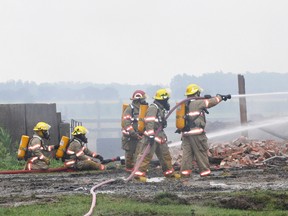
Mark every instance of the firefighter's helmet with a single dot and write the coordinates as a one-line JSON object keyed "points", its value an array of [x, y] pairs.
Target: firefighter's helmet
{"points": [[192, 89], [162, 94], [41, 126], [78, 130], [138, 94]]}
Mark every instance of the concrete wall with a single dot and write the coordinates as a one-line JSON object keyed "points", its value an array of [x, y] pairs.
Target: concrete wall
{"points": [[12, 118], [19, 119]]}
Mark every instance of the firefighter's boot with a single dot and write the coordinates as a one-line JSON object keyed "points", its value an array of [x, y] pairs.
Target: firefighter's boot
{"points": [[140, 178], [174, 175]]}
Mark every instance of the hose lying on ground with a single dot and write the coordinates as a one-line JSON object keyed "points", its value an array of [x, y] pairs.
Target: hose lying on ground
{"points": [[60, 169]]}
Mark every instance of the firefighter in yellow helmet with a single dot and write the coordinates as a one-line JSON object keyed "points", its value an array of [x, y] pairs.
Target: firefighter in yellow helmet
{"points": [[35, 156], [194, 139], [155, 121], [78, 156], [130, 134]]}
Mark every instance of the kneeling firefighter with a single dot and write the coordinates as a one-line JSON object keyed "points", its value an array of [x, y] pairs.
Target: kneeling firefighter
{"points": [[155, 121], [78, 156], [36, 158]]}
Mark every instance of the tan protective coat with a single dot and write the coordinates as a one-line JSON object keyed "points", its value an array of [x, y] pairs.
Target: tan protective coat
{"points": [[124, 106]]}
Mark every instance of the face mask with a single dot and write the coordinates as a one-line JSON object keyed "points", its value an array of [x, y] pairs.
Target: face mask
{"points": [[143, 102], [46, 135], [83, 138], [166, 106]]}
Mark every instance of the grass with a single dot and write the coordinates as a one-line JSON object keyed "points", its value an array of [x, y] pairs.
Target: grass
{"points": [[11, 163], [167, 204]]}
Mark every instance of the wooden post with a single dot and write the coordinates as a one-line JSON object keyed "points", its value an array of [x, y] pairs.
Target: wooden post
{"points": [[242, 103]]}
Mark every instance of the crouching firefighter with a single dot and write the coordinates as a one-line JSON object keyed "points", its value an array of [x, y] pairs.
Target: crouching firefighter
{"points": [[36, 159], [78, 156], [155, 121]]}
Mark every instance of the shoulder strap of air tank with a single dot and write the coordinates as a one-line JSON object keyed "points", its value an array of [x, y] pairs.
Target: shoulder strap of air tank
{"points": [[132, 110]]}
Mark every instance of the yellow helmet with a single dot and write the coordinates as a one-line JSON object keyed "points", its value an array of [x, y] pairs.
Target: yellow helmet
{"points": [[78, 130], [162, 94], [41, 126], [192, 89]]}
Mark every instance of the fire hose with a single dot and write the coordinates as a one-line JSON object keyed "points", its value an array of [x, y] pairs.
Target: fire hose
{"points": [[139, 161], [60, 169]]}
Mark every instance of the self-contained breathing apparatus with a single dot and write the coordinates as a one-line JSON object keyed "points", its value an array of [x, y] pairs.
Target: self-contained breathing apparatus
{"points": [[183, 123], [22, 153], [63, 145], [140, 121]]}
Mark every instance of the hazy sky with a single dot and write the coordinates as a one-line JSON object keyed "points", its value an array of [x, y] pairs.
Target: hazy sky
{"points": [[138, 42]]}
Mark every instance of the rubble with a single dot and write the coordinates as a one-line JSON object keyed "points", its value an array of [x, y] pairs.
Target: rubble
{"points": [[242, 152]]}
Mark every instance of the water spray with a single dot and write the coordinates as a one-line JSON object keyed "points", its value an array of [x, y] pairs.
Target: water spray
{"points": [[251, 126], [259, 94]]}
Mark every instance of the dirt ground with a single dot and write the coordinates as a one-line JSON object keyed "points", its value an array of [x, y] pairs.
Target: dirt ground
{"points": [[29, 188]]}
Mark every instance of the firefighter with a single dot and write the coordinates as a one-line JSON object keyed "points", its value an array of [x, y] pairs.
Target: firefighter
{"points": [[78, 156], [130, 134], [194, 140], [36, 159], [155, 122]]}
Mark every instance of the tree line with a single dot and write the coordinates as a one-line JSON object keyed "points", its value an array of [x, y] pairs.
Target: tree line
{"points": [[213, 83]]}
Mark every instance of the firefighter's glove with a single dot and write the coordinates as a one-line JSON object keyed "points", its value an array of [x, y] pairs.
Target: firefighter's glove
{"points": [[207, 96], [56, 146], [151, 140], [178, 131], [46, 160], [99, 157], [225, 97]]}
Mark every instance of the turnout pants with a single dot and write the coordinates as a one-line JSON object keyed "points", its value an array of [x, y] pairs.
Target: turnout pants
{"points": [[195, 147], [131, 147], [163, 154], [89, 165]]}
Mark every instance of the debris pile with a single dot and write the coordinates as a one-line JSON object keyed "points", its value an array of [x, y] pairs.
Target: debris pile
{"points": [[242, 152]]}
